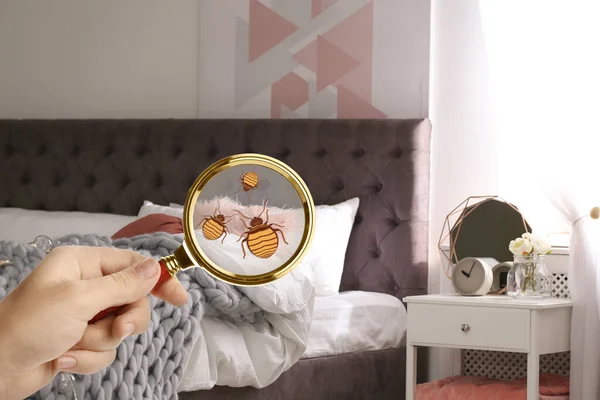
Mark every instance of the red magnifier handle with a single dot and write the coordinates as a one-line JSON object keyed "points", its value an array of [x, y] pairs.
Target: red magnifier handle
{"points": [[164, 276]]}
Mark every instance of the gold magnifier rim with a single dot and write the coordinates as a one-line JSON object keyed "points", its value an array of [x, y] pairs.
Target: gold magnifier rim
{"points": [[192, 246]]}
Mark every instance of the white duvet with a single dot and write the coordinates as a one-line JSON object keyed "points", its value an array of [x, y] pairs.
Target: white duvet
{"points": [[252, 354]]}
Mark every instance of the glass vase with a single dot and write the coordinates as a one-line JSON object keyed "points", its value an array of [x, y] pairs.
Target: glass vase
{"points": [[529, 277]]}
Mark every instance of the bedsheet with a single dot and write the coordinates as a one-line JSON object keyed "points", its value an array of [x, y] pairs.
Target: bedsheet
{"points": [[235, 355]]}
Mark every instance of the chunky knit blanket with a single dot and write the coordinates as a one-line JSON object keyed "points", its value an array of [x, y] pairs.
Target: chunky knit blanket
{"points": [[150, 365]]}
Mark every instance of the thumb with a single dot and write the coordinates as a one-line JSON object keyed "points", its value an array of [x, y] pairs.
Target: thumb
{"points": [[123, 287]]}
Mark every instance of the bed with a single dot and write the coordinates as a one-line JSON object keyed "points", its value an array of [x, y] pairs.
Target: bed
{"points": [[354, 351]]}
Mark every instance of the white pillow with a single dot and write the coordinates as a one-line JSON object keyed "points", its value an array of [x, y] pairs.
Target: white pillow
{"points": [[150, 208], [24, 225], [327, 252]]}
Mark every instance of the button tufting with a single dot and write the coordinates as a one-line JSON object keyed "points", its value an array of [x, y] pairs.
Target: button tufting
{"points": [[321, 153], [125, 182], [142, 151], [358, 153], [109, 151], [357, 220], [107, 208], [376, 253], [396, 288], [58, 180], [75, 151], [397, 152], [41, 150], [394, 222], [212, 151], [378, 187], [9, 150], [285, 153], [25, 179], [339, 186], [158, 180], [177, 151], [91, 181]]}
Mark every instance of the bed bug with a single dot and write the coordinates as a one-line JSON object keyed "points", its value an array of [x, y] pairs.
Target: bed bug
{"points": [[249, 181], [261, 238], [215, 225]]}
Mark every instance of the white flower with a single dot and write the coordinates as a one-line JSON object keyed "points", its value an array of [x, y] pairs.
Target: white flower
{"points": [[540, 245], [520, 247]]}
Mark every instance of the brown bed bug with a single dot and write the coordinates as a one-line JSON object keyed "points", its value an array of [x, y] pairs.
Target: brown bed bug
{"points": [[215, 225], [261, 237], [249, 181]]}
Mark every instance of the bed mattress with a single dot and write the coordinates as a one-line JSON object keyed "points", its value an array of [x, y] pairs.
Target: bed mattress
{"points": [[355, 321]]}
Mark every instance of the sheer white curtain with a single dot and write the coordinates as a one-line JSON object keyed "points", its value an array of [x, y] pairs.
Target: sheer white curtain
{"points": [[545, 68]]}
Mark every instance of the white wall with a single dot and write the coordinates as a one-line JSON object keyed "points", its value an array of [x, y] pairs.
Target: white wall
{"points": [[473, 146], [463, 146], [98, 59], [142, 59]]}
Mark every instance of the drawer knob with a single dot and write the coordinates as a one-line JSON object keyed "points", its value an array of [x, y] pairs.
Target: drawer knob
{"points": [[465, 328]]}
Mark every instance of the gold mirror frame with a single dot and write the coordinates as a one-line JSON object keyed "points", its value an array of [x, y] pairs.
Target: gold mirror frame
{"points": [[192, 247], [470, 204]]}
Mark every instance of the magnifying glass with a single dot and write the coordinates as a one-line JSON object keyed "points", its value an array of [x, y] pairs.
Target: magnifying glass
{"points": [[248, 220]]}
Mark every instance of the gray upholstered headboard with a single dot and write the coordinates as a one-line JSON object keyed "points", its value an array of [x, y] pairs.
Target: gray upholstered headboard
{"points": [[114, 165]]}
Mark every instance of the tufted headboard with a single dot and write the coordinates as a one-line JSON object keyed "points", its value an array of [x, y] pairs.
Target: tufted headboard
{"points": [[114, 165]]}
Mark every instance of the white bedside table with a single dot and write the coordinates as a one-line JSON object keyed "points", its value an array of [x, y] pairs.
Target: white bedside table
{"points": [[496, 323]]}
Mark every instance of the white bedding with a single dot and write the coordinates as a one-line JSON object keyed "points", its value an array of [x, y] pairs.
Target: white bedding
{"points": [[24, 225], [342, 323], [355, 322], [253, 355]]}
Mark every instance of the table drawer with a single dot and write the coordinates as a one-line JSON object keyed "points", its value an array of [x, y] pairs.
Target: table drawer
{"points": [[485, 327]]}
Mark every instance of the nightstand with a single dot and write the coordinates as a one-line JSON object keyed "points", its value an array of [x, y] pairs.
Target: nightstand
{"points": [[496, 323]]}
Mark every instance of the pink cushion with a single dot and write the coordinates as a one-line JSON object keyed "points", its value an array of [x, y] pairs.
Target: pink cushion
{"points": [[552, 387], [150, 224]]}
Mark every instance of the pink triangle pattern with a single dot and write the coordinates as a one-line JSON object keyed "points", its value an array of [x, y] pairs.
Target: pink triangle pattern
{"points": [[318, 6], [267, 29], [349, 105], [308, 56], [290, 91], [327, 61], [354, 35], [332, 63]]}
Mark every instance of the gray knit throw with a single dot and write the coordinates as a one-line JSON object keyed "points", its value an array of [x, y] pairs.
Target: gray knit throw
{"points": [[150, 365]]}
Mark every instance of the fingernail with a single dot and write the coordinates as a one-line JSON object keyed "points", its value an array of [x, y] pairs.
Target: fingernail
{"points": [[147, 268], [129, 328], [66, 362]]}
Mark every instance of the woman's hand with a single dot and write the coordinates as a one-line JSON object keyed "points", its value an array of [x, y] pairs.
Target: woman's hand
{"points": [[44, 322]]}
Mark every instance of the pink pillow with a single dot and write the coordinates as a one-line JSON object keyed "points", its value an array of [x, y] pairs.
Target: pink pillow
{"points": [[151, 223]]}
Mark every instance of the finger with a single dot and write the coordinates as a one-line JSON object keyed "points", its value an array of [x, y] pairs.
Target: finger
{"points": [[133, 319], [171, 291], [99, 336], [123, 287], [84, 361], [92, 262], [108, 260]]}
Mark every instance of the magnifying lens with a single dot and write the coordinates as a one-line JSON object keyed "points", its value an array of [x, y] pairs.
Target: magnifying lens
{"points": [[248, 220]]}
